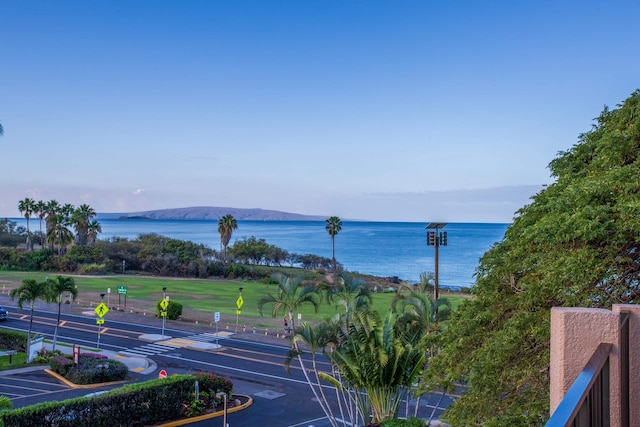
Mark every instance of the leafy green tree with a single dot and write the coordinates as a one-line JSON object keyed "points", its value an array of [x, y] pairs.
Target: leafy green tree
{"points": [[576, 244], [55, 290], [27, 207], [291, 295], [351, 292], [333, 226], [29, 291], [226, 225]]}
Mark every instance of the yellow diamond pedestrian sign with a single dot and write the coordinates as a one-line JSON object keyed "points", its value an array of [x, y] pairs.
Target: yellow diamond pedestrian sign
{"points": [[164, 304], [101, 310], [100, 321], [239, 302]]}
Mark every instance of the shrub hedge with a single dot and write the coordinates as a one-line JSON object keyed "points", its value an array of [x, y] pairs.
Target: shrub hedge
{"points": [[134, 405], [92, 368]]}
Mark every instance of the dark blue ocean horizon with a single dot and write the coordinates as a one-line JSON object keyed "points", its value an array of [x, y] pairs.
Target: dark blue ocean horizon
{"points": [[383, 249]]}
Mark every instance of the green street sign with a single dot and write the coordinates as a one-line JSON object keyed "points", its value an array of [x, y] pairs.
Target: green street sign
{"points": [[122, 290]]}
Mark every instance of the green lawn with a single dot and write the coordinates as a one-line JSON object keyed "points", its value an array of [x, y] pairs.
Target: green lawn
{"points": [[202, 295]]}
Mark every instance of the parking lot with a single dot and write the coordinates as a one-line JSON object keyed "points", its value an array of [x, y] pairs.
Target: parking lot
{"points": [[29, 386]]}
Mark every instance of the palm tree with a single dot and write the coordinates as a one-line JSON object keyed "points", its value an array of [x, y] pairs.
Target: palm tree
{"points": [[92, 232], [291, 295], [351, 292], [60, 232], [55, 290], [27, 207], [226, 225], [41, 211], [333, 226], [29, 291], [310, 341], [1, 130], [81, 218], [52, 209], [378, 362]]}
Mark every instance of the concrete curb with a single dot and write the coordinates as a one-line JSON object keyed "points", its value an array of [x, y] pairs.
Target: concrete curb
{"points": [[209, 416]]}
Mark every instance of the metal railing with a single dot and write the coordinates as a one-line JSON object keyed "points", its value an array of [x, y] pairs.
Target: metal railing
{"points": [[587, 403]]}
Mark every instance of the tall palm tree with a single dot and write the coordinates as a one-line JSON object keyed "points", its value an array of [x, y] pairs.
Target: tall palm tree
{"points": [[55, 290], [29, 292], [81, 218], [41, 211], [92, 232], [333, 226], [351, 292], [52, 210], [291, 295], [226, 225], [27, 207], [60, 232]]}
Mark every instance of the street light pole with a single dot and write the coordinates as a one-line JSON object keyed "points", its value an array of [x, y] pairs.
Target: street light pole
{"points": [[436, 239]]}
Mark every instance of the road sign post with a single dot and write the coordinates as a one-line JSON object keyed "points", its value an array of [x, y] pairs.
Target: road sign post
{"points": [[239, 303], [122, 290], [216, 318], [101, 310], [164, 303]]}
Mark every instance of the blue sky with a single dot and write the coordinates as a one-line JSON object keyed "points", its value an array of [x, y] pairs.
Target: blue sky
{"points": [[379, 110]]}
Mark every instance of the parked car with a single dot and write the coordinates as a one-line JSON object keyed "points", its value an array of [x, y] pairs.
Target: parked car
{"points": [[3, 313]]}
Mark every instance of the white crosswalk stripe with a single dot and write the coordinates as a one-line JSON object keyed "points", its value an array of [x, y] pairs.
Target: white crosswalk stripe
{"points": [[206, 337], [149, 349]]}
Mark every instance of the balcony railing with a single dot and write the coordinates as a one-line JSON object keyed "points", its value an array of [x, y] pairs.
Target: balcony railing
{"points": [[587, 403]]}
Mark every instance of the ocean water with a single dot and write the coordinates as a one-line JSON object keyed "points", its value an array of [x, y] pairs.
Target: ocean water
{"points": [[377, 248]]}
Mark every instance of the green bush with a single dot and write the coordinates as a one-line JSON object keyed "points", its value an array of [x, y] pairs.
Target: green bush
{"points": [[45, 356], [234, 271], [91, 369], [148, 403], [174, 310], [410, 422], [93, 269], [13, 340]]}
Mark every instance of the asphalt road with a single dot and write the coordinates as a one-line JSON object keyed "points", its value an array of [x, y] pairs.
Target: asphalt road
{"points": [[252, 362]]}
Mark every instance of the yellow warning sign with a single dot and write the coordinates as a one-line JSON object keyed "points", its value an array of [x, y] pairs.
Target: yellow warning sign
{"points": [[239, 302], [101, 310]]}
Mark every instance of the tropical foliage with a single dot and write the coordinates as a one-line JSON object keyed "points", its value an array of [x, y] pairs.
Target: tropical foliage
{"points": [[291, 294], [29, 292], [56, 289], [350, 292], [333, 226], [373, 365], [576, 244], [226, 225]]}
